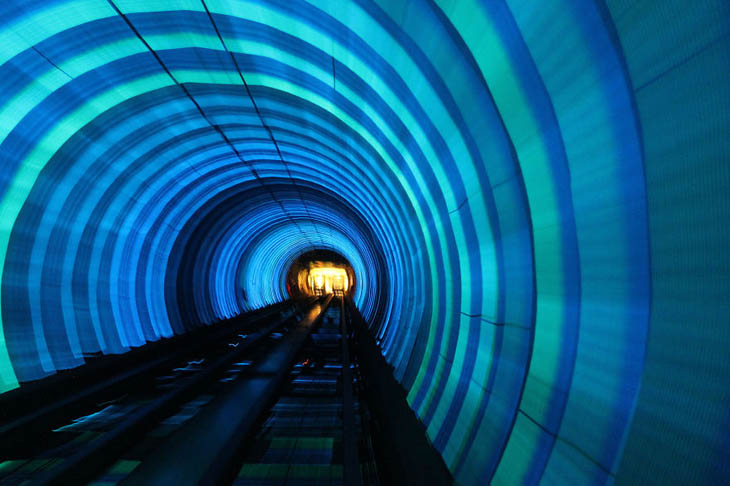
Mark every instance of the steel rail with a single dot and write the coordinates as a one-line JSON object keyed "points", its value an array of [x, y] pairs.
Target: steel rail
{"points": [[89, 460], [202, 450]]}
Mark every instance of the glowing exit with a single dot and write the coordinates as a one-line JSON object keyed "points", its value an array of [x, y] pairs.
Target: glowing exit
{"points": [[327, 280]]}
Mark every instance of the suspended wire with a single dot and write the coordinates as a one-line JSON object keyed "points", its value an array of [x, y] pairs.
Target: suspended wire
{"points": [[263, 123], [215, 127]]}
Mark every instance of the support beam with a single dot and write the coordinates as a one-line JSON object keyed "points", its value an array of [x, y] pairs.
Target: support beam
{"points": [[404, 453], [350, 436]]}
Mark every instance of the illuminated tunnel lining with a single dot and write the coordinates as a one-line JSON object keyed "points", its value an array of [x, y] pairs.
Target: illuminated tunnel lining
{"points": [[506, 179]]}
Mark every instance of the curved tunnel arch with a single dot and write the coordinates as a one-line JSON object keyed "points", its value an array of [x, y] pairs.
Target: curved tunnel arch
{"points": [[263, 244], [506, 178]]}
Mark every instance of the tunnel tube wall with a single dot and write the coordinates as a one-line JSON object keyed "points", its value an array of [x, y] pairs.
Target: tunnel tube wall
{"points": [[235, 252], [533, 195]]}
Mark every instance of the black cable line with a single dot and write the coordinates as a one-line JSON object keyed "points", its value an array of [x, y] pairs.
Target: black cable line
{"points": [[263, 122], [216, 127]]}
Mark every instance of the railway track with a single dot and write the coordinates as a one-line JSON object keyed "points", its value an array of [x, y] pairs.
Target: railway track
{"points": [[274, 400]]}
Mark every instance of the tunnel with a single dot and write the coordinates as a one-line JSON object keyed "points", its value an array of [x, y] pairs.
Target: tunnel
{"points": [[531, 198], [320, 272]]}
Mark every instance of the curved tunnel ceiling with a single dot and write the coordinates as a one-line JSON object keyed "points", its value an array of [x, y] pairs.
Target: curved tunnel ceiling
{"points": [[528, 191]]}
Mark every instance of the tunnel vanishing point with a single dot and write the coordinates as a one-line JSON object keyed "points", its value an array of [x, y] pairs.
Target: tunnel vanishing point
{"points": [[527, 203]]}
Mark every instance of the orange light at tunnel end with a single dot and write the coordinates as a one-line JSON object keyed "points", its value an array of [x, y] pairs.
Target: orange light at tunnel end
{"points": [[324, 278]]}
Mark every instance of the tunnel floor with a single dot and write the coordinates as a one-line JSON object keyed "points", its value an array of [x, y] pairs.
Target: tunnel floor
{"points": [[275, 397]]}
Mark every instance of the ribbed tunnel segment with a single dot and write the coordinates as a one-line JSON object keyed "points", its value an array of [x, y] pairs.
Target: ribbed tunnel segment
{"points": [[532, 197]]}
